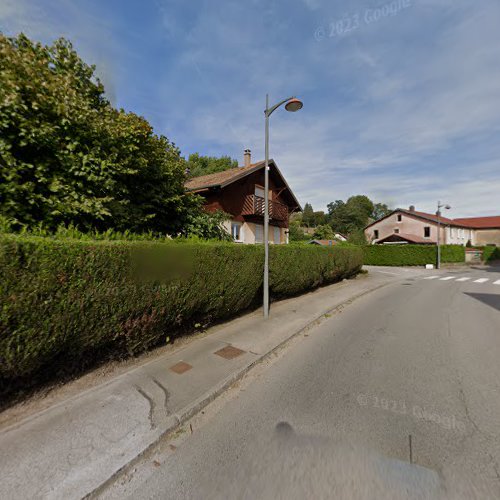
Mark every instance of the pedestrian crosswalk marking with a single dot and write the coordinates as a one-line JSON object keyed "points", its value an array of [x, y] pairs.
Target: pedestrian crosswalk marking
{"points": [[463, 279]]}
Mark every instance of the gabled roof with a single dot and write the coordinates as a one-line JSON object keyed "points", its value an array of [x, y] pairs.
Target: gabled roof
{"points": [[492, 222], [419, 215], [324, 243], [223, 179], [410, 238], [424, 215]]}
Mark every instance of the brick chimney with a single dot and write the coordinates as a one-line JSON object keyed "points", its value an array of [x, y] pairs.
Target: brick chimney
{"points": [[412, 208], [247, 158]]}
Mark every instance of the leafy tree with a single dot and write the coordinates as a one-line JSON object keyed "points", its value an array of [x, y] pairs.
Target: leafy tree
{"points": [[310, 218], [68, 157], [357, 237], [360, 208], [319, 218], [203, 165], [352, 215], [296, 233], [334, 206], [308, 215], [296, 217], [208, 226], [339, 216], [380, 210], [324, 232]]}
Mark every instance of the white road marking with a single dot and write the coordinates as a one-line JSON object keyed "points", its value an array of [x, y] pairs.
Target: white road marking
{"points": [[461, 280]]}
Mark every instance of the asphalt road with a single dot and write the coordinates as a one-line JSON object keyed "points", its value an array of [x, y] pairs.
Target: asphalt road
{"points": [[417, 360]]}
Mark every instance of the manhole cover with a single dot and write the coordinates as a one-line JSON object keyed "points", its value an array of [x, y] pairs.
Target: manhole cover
{"points": [[229, 352], [181, 367]]}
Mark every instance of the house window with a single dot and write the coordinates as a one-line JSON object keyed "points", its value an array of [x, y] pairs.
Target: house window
{"points": [[427, 232], [375, 234], [236, 231], [259, 233], [259, 191], [396, 230], [277, 235], [400, 217]]}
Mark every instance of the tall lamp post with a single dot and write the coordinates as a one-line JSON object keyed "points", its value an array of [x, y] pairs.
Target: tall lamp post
{"points": [[438, 214], [292, 104]]}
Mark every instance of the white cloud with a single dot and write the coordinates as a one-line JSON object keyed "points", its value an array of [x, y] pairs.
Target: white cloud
{"points": [[90, 32]]}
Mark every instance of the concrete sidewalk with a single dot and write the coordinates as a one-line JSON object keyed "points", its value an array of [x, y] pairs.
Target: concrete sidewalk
{"points": [[74, 447]]}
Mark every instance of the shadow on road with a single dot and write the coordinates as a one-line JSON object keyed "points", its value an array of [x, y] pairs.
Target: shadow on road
{"points": [[491, 267], [490, 299]]}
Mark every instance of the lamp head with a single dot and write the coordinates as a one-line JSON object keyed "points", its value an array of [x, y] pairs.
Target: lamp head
{"points": [[293, 105]]}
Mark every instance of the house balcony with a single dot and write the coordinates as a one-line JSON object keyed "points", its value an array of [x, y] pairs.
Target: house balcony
{"points": [[254, 205]]}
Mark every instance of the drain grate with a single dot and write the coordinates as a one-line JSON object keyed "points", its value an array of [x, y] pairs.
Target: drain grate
{"points": [[229, 352], [181, 367]]}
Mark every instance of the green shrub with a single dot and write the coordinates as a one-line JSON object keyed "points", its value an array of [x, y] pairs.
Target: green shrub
{"points": [[411, 255], [490, 253], [67, 300]]}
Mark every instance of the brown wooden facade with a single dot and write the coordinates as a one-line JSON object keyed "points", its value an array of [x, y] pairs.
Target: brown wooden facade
{"points": [[239, 198]]}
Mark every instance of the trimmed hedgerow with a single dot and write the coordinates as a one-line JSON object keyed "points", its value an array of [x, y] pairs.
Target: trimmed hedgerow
{"points": [[490, 253], [297, 268], [411, 255], [66, 300]]}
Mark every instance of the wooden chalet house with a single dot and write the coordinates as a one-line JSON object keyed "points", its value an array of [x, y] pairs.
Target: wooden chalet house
{"points": [[240, 193]]}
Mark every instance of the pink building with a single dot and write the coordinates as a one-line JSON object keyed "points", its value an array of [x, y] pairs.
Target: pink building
{"points": [[411, 226]]}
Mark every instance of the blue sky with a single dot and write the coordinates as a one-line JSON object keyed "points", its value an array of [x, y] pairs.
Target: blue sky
{"points": [[405, 107]]}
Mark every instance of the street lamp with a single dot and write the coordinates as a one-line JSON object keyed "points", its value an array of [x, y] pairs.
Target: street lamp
{"points": [[292, 104], [438, 213]]}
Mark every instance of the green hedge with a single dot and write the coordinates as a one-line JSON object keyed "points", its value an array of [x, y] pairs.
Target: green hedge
{"points": [[66, 300], [411, 255], [490, 253], [294, 269]]}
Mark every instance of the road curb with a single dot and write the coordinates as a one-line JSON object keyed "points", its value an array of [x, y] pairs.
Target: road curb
{"points": [[180, 418]]}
